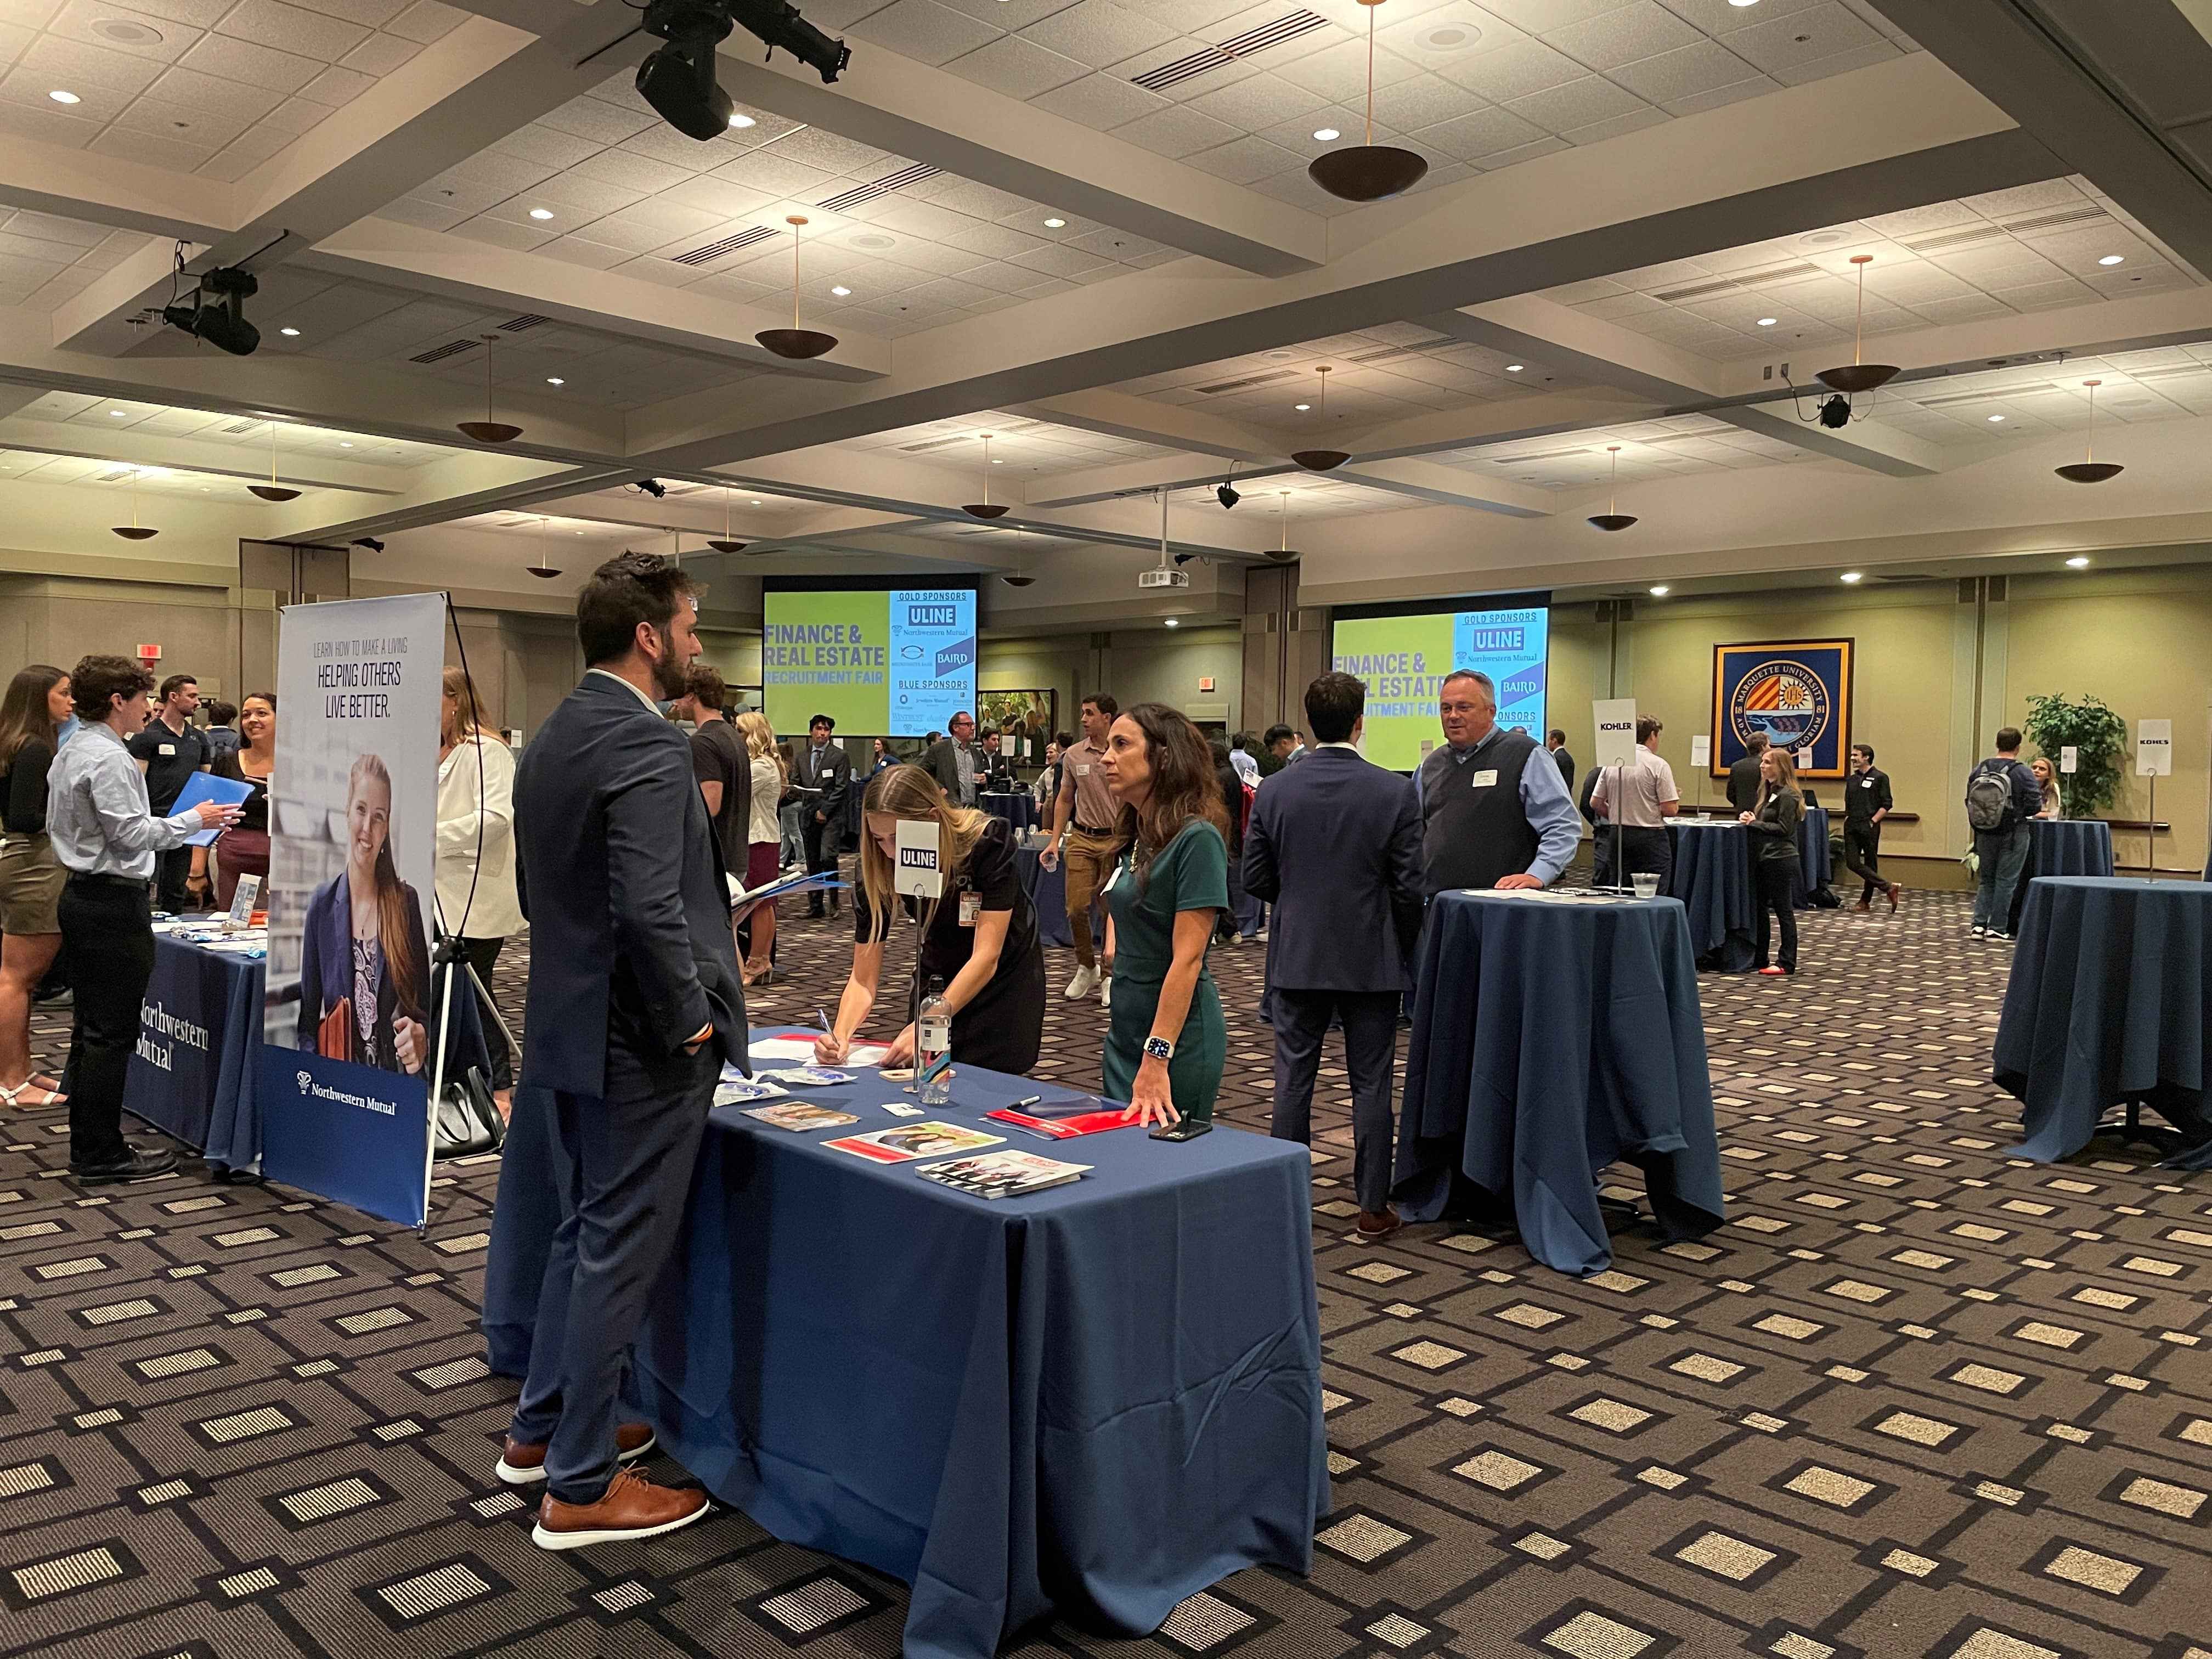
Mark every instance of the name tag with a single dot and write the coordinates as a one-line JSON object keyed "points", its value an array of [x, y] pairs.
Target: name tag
{"points": [[166, 748], [1485, 779], [1111, 879], [1866, 783], [971, 906], [1082, 771]]}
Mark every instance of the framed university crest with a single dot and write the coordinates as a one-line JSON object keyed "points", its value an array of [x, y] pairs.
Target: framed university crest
{"points": [[1797, 694]]}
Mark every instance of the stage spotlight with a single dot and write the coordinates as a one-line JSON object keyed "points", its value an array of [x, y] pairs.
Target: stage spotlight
{"points": [[652, 487], [216, 312], [370, 543], [1227, 493], [679, 79], [1836, 412]]}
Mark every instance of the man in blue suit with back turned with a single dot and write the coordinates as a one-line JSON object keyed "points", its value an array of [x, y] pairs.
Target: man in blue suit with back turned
{"points": [[1335, 845], [634, 1002]]}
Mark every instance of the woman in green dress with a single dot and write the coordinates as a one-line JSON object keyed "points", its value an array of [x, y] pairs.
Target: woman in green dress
{"points": [[1166, 1044]]}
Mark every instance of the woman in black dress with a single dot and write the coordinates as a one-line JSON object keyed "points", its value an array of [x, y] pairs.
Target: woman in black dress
{"points": [[979, 937]]}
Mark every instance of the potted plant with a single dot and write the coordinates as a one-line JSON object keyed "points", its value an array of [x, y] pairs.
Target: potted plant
{"points": [[2098, 737]]}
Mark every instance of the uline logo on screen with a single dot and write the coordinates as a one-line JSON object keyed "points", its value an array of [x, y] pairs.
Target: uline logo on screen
{"points": [[956, 657], [1497, 638], [932, 615]]}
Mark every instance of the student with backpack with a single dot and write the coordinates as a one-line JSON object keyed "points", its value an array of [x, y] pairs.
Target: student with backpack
{"points": [[2002, 796]]}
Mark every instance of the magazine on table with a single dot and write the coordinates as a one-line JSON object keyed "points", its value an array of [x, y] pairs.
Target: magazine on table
{"points": [[1079, 1118], [1009, 1174], [912, 1140], [809, 1077], [798, 1115], [736, 1088], [800, 1046]]}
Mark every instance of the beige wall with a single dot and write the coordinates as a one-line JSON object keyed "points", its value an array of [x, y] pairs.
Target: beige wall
{"points": [[58, 619]]}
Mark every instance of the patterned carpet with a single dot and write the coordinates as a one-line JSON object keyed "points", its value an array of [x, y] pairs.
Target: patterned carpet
{"points": [[1915, 1399]]}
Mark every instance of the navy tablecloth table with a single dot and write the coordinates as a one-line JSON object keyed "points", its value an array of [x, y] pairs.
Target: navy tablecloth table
{"points": [[1094, 1401], [2109, 1002], [191, 1076], [1047, 892], [2063, 846], [1549, 1039], [1815, 863], [1017, 806], [1713, 879]]}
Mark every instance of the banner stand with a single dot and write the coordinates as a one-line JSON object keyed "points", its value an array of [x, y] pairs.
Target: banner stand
{"points": [[444, 955]]}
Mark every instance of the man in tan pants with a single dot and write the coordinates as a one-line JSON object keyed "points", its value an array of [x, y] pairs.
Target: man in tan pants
{"points": [[1084, 815]]}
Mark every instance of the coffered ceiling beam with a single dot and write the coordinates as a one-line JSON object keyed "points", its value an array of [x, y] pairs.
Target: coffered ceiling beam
{"points": [[1789, 161], [249, 462], [932, 115]]}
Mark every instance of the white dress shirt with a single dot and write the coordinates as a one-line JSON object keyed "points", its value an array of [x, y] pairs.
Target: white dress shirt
{"points": [[467, 807]]}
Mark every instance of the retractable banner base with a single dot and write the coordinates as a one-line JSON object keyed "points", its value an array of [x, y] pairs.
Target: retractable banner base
{"points": [[343, 1130]]}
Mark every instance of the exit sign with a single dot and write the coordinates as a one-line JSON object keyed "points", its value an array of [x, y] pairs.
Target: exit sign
{"points": [[1206, 683], [149, 653]]}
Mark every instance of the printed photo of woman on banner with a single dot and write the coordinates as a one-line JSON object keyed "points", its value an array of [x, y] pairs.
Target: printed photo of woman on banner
{"points": [[350, 1025]]}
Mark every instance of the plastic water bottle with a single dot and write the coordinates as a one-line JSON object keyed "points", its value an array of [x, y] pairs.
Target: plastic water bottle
{"points": [[933, 1047]]}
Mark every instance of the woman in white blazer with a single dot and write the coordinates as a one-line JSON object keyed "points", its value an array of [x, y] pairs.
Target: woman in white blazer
{"points": [[477, 895]]}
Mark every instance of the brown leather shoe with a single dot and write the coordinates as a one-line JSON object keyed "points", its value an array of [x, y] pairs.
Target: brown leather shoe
{"points": [[1862, 906], [1379, 1224], [521, 1465], [1894, 890], [632, 1507]]}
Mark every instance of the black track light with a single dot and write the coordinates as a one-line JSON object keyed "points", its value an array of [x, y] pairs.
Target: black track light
{"points": [[652, 487], [1227, 493], [370, 543], [216, 312], [679, 79]]}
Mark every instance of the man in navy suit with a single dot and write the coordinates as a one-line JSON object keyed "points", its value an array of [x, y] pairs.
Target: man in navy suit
{"points": [[634, 1002], [1335, 844]]}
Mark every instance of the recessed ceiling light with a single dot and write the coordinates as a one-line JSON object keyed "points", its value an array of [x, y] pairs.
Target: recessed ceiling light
{"points": [[118, 413], [1852, 576], [1767, 322], [840, 292], [1740, 4], [1660, 591], [289, 333], [1172, 623], [752, 503], [1054, 224], [1329, 135], [736, 121], [555, 380], [541, 213], [1513, 368], [2113, 259], [2079, 562], [61, 97], [1301, 408]]}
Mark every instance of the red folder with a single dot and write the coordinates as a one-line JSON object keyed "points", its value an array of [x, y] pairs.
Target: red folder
{"points": [[1065, 1128]]}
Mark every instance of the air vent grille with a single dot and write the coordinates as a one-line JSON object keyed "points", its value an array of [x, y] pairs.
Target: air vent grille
{"points": [[1384, 354], [439, 354], [882, 187], [1268, 379], [1288, 27], [2177, 372], [1731, 284], [1972, 235], [115, 476], [1547, 455], [932, 443], [2001, 394], [714, 251], [529, 319], [241, 426]]}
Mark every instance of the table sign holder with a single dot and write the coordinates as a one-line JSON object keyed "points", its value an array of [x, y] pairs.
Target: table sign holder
{"points": [[2154, 761], [1615, 718], [241, 904], [1701, 763], [919, 874]]}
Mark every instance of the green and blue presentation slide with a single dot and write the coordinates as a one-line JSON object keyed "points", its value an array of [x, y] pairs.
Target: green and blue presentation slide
{"points": [[1404, 659], [890, 663]]}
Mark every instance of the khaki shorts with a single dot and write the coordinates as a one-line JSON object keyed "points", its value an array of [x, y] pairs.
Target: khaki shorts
{"points": [[31, 879]]}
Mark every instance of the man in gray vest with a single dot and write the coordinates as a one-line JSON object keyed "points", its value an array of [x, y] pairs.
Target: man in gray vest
{"points": [[1488, 817]]}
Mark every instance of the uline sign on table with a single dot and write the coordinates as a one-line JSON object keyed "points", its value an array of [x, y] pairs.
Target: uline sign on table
{"points": [[919, 871]]}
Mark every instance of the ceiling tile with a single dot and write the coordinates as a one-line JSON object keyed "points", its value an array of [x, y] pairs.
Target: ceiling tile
{"points": [[1643, 29], [80, 67], [593, 119], [1577, 104], [1177, 132], [1422, 101], [48, 124], [925, 31], [1255, 102], [182, 122], [1243, 160], [1098, 32], [1721, 97], [336, 87], [1484, 132], [1684, 72], [76, 19], [425, 20], [195, 90], [1017, 66], [1512, 71], [292, 29], [1102, 101], [1775, 43], [253, 64], [1618, 126], [1841, 63], [380, 54], [1538, 15]]}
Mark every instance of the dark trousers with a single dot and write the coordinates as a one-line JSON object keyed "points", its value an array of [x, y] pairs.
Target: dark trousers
{"points": [[1370, 1043], [1601, 855], [2003, 855], [482, 954], [1863, 857], [172, 870], [626, 1163], [1777, 880], [1647, 852], [821, 842], [108, 942]]}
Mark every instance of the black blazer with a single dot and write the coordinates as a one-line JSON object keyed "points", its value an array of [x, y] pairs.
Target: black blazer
{"points": [[627, 900], [1335, 844], [835, 779], [942, 762]]}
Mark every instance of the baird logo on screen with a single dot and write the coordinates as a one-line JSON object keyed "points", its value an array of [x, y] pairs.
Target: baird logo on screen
{"points": [[309, 1087], [932, 615], [958, 656]]}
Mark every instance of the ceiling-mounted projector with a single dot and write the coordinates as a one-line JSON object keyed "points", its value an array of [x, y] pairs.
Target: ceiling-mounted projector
{"points": [[1162, 578], [678, 80]]}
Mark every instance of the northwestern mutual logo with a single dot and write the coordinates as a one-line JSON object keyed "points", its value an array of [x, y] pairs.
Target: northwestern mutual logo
{"points": [[309, 1087]]}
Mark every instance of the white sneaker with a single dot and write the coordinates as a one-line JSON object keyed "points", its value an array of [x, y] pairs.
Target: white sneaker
{"points": [[1262, 936], [1086, 981], [1105, 990]]}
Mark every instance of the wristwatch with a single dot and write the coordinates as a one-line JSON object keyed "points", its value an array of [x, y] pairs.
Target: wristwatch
{"points": [[1160, 1048]]}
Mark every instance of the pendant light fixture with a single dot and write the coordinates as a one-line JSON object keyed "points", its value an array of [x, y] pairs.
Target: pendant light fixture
{"points": [[985, 508], [2091, 470], [1368, 172], [795, 343], [488, 431], [542, 570], [726, 543], [273, 491], [1020, 575], [1321, 460], [1858, 376], [1609, 519], [1283, 555], [135, 531]]}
